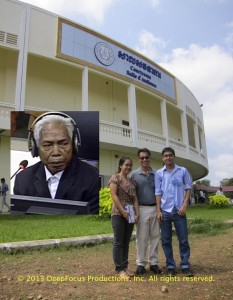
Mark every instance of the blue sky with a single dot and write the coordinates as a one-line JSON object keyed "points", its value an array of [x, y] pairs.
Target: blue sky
{"points": [[193, 39]]}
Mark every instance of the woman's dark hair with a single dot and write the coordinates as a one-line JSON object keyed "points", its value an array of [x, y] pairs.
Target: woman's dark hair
{"points": [[122, 161]]}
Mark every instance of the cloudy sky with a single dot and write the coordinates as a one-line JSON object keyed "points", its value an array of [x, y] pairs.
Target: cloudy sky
{"points": [[193, 39]]}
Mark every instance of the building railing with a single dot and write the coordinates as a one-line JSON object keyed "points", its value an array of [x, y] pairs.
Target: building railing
{"points": [[122, 135], [193, 150], [5, 114], [5, 109], [177, 145], [115, 133], [146, 137]]}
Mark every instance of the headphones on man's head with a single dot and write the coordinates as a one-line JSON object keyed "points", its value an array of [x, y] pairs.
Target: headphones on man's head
{"points": [[76, 139]]}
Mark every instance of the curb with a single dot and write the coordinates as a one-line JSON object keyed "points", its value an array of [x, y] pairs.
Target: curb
{"points": [[56, 243]]}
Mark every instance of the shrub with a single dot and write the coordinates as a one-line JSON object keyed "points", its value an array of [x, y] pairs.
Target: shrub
{"points": [[105, 203], [218, 201]]}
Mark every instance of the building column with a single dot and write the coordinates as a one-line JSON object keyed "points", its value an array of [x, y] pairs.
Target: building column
{"points": [[184, 127], [196, 137], [164, 120], [133, 113], [22, 60], [203, 143], [85, 89]]}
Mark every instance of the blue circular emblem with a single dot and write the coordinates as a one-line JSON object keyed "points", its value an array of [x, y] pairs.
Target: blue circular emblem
{"points": [[104, 54]]}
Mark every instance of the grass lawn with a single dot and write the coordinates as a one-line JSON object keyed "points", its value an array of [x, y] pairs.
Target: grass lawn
{"points": [[37, 227], [28, 228], [213, 214]]}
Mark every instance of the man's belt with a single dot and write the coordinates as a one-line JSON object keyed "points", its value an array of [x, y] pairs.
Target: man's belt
{"points": [[150, 204]]}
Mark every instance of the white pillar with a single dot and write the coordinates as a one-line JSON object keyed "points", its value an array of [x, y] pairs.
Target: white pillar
{"points": [[22, 60], [164, 120], [85, 89], [203, 143], [196, 137], [133, 113], [184, 126]]}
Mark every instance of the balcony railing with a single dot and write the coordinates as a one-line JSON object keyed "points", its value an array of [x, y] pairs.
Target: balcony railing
{"points": [[115, 133], [177, 145], [5, 114], [151, 140]]}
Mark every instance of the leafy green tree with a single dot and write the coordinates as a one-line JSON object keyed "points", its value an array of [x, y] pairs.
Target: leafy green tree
{"points": [[205, 182], [227, 182]]}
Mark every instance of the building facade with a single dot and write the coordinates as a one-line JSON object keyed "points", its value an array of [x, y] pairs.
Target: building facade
{"points": [[50, 63]]}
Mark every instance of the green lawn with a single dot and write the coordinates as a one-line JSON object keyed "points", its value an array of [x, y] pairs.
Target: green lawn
{"points": [[27, 228], [205, 212]]}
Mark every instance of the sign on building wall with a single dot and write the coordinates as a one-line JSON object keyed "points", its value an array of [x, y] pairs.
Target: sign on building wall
{"points": [[85, 46]]}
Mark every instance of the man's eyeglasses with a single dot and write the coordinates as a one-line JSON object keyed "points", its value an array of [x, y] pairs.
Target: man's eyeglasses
{"points": [[144, 157]]}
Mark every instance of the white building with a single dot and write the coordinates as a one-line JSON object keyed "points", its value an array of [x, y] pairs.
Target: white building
{"points": [[50, 63]]}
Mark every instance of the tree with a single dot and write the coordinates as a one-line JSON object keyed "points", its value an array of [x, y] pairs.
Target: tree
{"points": [[227, 182], [205, 182]]}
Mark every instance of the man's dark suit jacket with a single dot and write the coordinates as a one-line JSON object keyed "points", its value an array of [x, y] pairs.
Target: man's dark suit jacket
{"points": [[79, 182]]}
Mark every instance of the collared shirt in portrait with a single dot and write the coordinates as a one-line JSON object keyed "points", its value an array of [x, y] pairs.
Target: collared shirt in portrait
{"points": [[53, 181], [145, 186], [171, 186]]}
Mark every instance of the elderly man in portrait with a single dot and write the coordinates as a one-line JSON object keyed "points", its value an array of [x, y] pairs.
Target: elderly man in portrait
{"points": [[59, 174]]}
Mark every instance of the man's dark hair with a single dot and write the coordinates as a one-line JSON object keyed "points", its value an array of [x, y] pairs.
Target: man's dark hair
{"points": [[168, 149], [143, 150]]}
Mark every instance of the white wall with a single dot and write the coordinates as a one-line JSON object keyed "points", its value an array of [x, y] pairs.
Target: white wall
{"points": [[148, 112], [15, 10], [8, 66], [43, 38], [53, 86]]}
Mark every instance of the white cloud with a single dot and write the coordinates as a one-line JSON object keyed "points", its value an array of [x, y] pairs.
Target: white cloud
{"points": [[149, 45], [204, 70], [208, 73], [222, 168], [91, 9], [155, 3]]}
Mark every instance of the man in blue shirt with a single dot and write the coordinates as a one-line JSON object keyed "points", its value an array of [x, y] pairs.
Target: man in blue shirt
{"points": [[172, 190]]}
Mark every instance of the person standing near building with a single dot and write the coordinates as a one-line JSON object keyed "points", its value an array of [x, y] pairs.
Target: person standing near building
{"points": [[202, 197], [3, 190], [172, 190], [123, 192], [220, 191], [148, 228]]}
